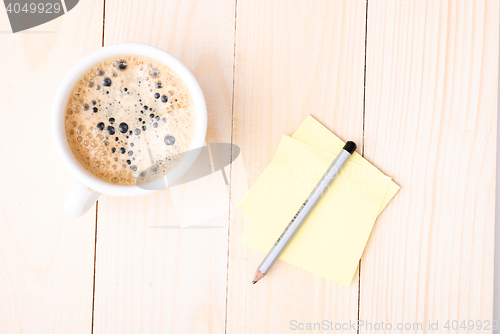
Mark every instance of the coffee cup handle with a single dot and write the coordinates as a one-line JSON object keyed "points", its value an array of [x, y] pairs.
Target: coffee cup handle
{"points": [[79, 199]]}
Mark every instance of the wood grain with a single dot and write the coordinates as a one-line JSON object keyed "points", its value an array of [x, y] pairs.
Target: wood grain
{"points": [[292, 59], [430, 122], [46, 258], [167, 280]]}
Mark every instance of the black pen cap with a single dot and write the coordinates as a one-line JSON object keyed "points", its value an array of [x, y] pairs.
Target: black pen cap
{"points": [[350, 147]]}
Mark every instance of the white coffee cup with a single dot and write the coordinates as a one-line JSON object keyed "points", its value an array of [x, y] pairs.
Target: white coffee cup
{"points": [[87, 189]]}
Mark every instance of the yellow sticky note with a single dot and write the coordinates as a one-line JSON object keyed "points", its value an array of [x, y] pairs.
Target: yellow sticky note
{"points": [[314, 133], [331, 240]]}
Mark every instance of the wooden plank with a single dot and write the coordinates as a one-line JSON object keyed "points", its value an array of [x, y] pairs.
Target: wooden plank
{"points": [[292, 59], [167, 280], [431, 95], [46, 257]]}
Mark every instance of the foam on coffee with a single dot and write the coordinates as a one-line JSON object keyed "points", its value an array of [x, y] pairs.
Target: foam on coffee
{"points": [[129, 118]]}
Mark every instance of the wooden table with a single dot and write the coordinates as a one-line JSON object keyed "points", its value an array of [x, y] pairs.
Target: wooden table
{"points": [[414, 83]]}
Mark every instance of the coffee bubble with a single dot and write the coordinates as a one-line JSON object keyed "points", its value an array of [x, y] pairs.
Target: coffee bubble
{"points": [[122, 64], [154, 72], [106, 82], [169, 140], [123, 127]]}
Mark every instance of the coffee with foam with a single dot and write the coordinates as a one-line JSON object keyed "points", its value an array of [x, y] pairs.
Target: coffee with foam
{"points": [[129, 120]]}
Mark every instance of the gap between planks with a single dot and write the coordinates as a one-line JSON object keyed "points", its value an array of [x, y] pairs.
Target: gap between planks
{"points": [[230, 165], [97, 202]]}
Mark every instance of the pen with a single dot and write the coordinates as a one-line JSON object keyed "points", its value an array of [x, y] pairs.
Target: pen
{"points": [[304, 210]]}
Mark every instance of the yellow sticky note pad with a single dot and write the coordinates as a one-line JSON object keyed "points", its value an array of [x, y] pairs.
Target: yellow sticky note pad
{"points": [[331, 240], [315, 134]]}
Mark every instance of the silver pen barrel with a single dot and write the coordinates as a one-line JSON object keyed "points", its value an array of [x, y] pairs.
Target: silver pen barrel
{"points": [[292, 228]]}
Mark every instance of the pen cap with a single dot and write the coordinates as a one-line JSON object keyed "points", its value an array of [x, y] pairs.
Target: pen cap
{"points": [[350, 147]]}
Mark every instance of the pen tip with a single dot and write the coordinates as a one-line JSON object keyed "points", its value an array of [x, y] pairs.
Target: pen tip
{"points": [[258, 276]]}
